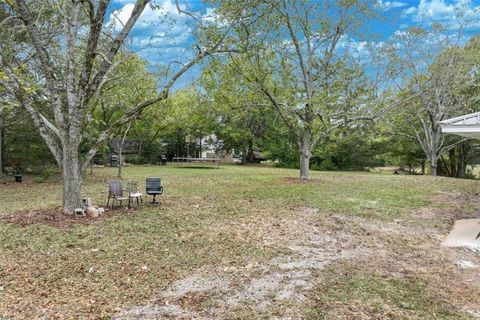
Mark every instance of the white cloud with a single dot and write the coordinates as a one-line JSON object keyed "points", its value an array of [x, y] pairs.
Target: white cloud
{"points": [[388, 5], [435, 10], [159, 24], [152, 15], [213, 18], [210, 16], [450, 14], [126, 1], [400, 33], [361, 50], [408, 12], [161, 40]]}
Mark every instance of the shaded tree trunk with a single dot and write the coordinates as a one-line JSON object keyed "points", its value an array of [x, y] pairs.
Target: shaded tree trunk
{"points": [[304, 144], [250, 154], [72, 179], [1, 144], [433, 169], [244, 156], [463, 159], [453, 164], [443, 169], [432, 146], [85, 73], [120, 150], [141, 146]]}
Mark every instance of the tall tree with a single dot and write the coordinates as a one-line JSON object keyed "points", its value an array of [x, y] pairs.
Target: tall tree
{"points": [[439, 71], [294, 53], [63, 53], [2, 123], [244, 115], [131, 84], [191, 116]]}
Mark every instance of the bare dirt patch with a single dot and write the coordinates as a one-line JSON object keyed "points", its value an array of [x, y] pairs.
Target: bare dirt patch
{"points": [[317, 242], [450, 207], [281, 281], [292, 180], [223, 247], [403, 250], [55, 217]]}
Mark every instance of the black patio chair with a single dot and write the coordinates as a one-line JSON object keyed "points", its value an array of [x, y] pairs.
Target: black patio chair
{"points": [[154, 187], [162, 160]]}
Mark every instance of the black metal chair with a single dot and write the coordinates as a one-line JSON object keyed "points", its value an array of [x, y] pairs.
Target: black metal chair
{"points": [[162, 160], [154, 187]]}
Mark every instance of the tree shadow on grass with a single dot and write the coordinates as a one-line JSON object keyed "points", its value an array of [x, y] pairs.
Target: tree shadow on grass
{"points": [[196, 167], [55, 217]]}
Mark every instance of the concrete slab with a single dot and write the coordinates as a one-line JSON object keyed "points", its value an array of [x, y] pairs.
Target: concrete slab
{"points": [[465, 233]]}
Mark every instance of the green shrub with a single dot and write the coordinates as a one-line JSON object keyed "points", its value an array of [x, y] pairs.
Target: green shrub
{"points": [[136, 159], [46, 174]]}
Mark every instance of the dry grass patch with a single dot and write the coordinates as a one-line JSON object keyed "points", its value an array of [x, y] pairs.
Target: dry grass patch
{"points": [[240, 228]]}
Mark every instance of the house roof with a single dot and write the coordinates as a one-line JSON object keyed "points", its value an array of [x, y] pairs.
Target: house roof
{"points": [[466, 126], [129, 146]]}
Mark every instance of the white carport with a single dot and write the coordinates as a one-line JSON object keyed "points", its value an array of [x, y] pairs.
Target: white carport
{"points": [[465, 232], [466, 126]]}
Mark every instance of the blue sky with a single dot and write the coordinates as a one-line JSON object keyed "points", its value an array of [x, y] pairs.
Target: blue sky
{"points": [[163, 35]]}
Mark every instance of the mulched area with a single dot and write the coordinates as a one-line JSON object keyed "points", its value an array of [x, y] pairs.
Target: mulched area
{"points": [[55, 217], [8, 180], [292, 180]]}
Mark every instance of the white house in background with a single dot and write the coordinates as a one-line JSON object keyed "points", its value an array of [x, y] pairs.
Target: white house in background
{"points": [[129, 147], [466, 126], [212, 147]]}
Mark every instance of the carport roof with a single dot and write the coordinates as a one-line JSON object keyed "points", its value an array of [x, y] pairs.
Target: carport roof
{"points": [[466, 126]]}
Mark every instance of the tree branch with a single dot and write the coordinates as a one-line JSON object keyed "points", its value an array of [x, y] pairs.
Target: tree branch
{"points": [[45, 65], [114, 47], [39, 120], [136, 111]]}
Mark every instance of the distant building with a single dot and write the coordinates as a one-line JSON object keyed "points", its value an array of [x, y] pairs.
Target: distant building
{"points": [[129, 147], [212, 147]]}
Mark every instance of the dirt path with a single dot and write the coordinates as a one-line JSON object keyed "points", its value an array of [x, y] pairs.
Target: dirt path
{"points": [[283, 283]]}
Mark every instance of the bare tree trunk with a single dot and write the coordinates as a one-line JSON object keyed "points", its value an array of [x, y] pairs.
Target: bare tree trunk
{"points": [[462, 166], [201, 147], [453, 163], [85, 75], [72, 179], [1, 144], [304, 148], [433, 146], [250, 154], [140, 146], [120, 149], [119, 170], [433, 163]]}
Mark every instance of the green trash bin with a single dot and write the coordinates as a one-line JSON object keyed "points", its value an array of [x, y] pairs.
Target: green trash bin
{"points": [[18, 176], [114, 160]]}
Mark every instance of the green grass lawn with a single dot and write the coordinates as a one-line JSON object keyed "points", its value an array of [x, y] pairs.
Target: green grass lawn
{"points": [[240, 218]]}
